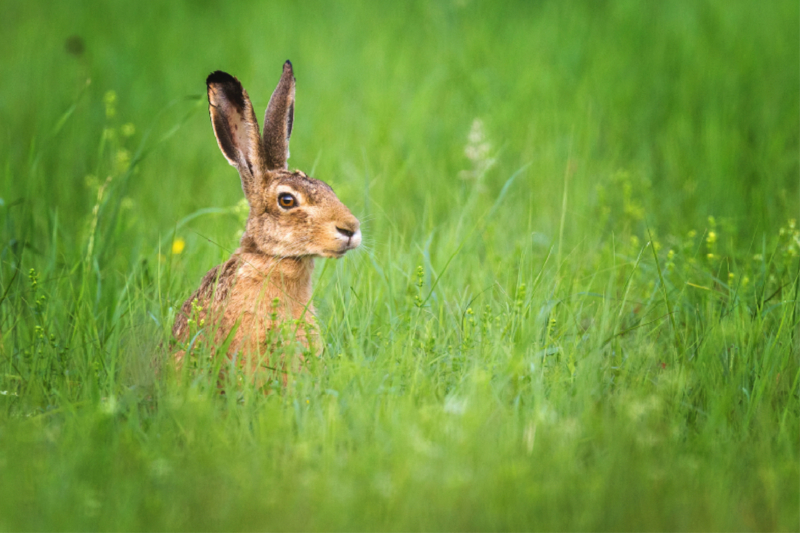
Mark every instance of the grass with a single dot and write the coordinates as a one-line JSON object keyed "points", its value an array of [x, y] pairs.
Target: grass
{"points": [[576, 306]]}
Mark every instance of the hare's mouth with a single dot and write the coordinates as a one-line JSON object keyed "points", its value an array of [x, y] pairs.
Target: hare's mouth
{"points": [[346, 240], [339, 252], [335, 253]]}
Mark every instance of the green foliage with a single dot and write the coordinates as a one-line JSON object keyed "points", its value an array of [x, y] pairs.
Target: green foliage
{"points": [[576, 306]]}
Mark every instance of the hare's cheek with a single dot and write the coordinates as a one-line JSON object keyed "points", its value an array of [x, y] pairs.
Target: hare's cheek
{"points": [[303, 222], [300, 217]]}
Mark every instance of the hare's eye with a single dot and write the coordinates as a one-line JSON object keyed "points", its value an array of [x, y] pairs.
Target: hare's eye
{"points": [[287, 201]]}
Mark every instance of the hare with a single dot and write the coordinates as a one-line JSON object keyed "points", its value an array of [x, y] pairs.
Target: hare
{"points": [[265, 286]]}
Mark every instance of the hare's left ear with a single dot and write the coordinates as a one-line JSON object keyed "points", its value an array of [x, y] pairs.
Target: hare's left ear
{"points": [[236, 129], [278, 121]]}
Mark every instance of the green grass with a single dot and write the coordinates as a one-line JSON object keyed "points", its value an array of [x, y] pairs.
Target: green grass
{"points": [[589, 324]]}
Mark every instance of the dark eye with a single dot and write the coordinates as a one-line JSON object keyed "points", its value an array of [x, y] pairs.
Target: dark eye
{"points": [[286, 200]]}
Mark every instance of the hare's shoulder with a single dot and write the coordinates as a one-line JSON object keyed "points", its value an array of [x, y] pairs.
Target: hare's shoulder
{"points": [[214, 288], [217, 283]]}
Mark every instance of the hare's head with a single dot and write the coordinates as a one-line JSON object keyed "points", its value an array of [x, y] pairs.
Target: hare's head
{"points": [[291, 214]]}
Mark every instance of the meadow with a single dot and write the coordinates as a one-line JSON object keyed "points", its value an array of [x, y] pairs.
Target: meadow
{"points": [[575, 308]]}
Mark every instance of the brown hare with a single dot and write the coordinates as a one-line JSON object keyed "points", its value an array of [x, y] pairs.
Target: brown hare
{"points": [[265, 287]]}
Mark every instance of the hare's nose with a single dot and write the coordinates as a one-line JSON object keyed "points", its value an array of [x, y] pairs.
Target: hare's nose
{"points": [[349, 230], [346, 232], [348, 227]]}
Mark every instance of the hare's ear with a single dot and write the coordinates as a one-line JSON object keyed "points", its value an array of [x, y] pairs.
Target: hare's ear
{"points": [[236, 129], [278, 121]]}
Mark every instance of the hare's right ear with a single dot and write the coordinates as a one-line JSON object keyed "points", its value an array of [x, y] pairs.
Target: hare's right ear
{"points": [[236, 129], [278, 121]]}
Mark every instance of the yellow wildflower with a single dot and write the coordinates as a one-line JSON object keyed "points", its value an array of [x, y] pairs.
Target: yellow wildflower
{"points": [[178, 245]]}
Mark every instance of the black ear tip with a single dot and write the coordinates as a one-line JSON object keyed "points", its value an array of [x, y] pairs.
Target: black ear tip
{"points": [[224, 86], [219, 77], [287, 66]]}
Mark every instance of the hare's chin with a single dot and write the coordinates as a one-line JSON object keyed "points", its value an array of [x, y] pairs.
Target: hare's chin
{"points": [[335, 254]]}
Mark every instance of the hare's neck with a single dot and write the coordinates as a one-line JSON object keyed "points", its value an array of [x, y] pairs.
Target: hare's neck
{"points": [[298, 269], [288, 276]]}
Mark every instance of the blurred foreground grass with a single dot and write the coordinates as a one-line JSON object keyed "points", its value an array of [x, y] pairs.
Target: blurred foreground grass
{"points": [[576, 306]]}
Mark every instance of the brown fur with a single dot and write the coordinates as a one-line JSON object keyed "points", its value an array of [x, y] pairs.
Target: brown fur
{"points": [[265, 286]]}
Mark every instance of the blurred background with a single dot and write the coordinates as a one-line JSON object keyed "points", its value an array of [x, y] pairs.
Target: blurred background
{"points": [[691, 105]]}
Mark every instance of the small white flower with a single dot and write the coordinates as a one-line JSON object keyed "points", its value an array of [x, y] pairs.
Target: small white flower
{"points": [[477, 150]]}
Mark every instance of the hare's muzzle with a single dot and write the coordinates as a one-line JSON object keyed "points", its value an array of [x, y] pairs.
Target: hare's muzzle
{"points": [[348, 234]]}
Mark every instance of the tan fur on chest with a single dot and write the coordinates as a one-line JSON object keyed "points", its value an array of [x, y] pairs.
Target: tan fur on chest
{"points": [[269, 295], [257, 298]]}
